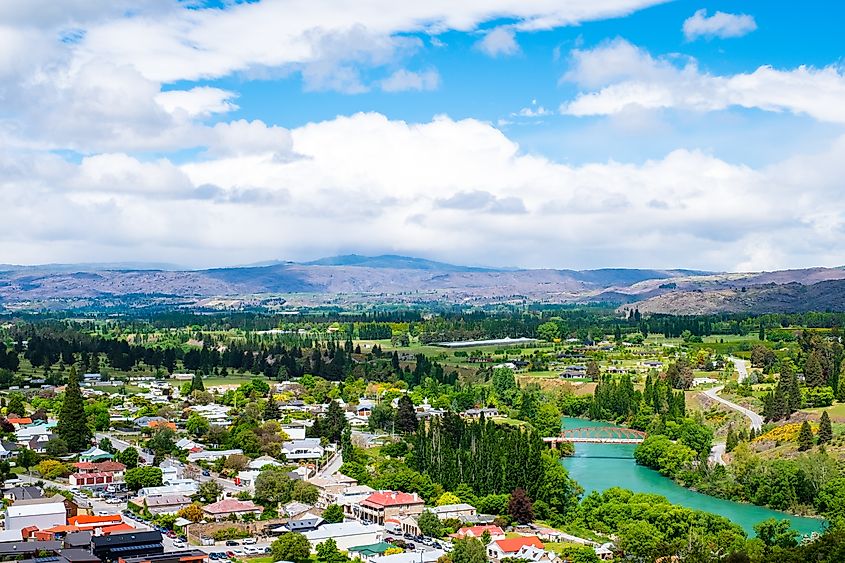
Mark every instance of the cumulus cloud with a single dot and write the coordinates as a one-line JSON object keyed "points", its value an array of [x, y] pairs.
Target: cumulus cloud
{"points": [[624, 75], [461, 189], [200, 101], [403, 80], [720, 24], [500, 41]]}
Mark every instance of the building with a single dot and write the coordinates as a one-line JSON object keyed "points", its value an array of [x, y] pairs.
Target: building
{"points": [[304, 522], [116, 547], [370, 552], [460, 510], [212, 455], [183, 487], [95, 524], [7, 449], [45, 515], [165, 504], [536, 555], [71, 506], [187, 556], [95, 454], [388, 504], [346, 534], [496, 533], [24, 492], [223, 509], [331, 486], [91, 479], [309, 448], [510, 547]]}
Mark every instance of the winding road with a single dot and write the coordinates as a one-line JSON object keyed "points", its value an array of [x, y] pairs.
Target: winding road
{"points": [[718, 450]]}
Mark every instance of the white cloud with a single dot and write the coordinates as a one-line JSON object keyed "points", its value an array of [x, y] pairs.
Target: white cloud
{"points": [[628, 76], [500, 41], [720, 24], [403, 80], [533, 110], [409, 187], [201, 101]]}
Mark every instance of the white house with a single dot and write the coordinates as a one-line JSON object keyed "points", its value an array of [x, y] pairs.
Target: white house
{"points": [[44, 515], [308, 448], [212, 455], [346, 534], [294, 432]]}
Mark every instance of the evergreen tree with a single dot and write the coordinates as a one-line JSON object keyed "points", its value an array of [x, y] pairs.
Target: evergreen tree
{"points": [[761, 335], [825, 430], [406, 415], [794, 392], [813, 371], [16, 405], [196, 382], [271, 409], [73, 426], [805, 437], [732, 440], [334, 422]]}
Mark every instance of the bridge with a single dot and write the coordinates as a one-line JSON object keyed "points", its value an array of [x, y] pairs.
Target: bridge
{"points": [[598, 435]]}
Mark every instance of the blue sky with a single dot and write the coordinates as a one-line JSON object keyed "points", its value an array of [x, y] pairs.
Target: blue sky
{"points": [[571, 134]]}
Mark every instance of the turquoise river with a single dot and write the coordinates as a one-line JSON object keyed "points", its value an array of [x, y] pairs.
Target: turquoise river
{"points": [[601, 466]]}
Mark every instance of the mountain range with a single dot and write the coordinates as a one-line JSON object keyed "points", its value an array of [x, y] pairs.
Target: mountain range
{"points": [[350, 279]]}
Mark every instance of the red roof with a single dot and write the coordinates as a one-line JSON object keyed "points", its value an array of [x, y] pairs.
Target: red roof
{"points": [[61, 529], [122, 527], [512, 545], [391, 498], [24, 420], [85, 465], [478, 531], [109, 465], [85, 519]]}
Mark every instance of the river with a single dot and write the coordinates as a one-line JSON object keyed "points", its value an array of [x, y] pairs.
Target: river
{"points": [[601, 466]]}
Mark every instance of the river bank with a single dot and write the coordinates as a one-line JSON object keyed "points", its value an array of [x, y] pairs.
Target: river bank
{"points": [[598, 467]]}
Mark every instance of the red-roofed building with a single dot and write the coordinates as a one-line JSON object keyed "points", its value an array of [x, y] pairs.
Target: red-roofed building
{"points": [[225, 508], [91, 479], [117, 529], [496, 533], [500, 549], [384, 505], [107, 466], [23, 421], [95, 523]]}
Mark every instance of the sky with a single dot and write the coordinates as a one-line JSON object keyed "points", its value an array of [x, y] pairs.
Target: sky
{"points": [[522, 133]]}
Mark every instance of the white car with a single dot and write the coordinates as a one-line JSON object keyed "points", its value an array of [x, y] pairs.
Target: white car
{"points": [[252, 550], [113, 500], [179, 544], [250, 541]]}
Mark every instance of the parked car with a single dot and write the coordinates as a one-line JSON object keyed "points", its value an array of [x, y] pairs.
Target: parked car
{"points": [[179, 544], [252, 550], [206, 473], [250, 541], [267, 549], [410, 546], [436, 545], [113, 500], [230, 554], [232, 542]]}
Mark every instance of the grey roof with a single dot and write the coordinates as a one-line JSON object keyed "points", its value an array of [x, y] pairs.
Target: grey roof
{"points": [[11, 548], [26, 492], [78, 539]]}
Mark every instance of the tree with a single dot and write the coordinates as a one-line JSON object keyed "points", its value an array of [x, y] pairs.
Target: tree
{"points": [[209, 491], [16, 405], [776, 533], [805, 437], [593, 371], [732, 440], [56, 447], [430, 524], [273, 486], [333, 514], [640, 539], [406, 416], [825, 429], [52, 469], [26, 458], [128, 457], [192, 512], [197, 425], [382, 417], [327, 552], [72, 426], [333, 423], [196, 383], [141, 477], [520, 507], [291, 547], [447, 498], [469, 550], [548, 331], [236, 462], [813, 371]]}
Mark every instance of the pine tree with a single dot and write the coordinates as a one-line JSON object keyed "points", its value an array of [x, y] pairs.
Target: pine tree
{"points": [[196, 382], [406, 416], [271, 409], [780, 408], [761, 335], [731, 440], [73, 426], [825, 430], [805, 437], [813, 372], [794, 392]]}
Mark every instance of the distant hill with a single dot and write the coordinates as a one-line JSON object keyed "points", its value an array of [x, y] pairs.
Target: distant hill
{"points": [[343, 280]]}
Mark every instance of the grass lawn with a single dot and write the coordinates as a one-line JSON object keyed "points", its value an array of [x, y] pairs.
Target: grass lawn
{"points": [[836, 412]]}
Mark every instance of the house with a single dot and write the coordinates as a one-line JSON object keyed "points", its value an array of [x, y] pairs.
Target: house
{"points": [[38, 443], [91, 479], [94, 454], [226, 508], [164, 504], [604, 551], [304, 522], [263, 461], [459, 510], [478, 413], [247, 479], [294, 432], [496, 533], [189, 445], [114, 547], [295, 508], [183, 487], [356, 421], [388, 504], [212, 455], [536, 554], [346, 534], [309, 448], [369, 552], [351, 496], [171, 470], [24, 492], [7, 449], [95, 524], [364, 408], [71, 507], [185, 556], [510, 547], [45, 515], [108, 466], [21, 421]]}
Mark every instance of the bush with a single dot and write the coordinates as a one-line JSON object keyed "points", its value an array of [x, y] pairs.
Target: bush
{"points": [[230, 534]]}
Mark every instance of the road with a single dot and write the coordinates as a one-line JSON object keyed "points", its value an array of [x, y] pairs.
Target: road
{"points": [[716, 453], [333, 466], [741, 368], [756, 419]]}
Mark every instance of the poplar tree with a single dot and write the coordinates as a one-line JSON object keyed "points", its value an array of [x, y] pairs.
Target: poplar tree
{"points": [[73, 426]]}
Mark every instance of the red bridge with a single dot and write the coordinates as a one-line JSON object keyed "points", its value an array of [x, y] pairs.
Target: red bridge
{"points": [[598, 435]]}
